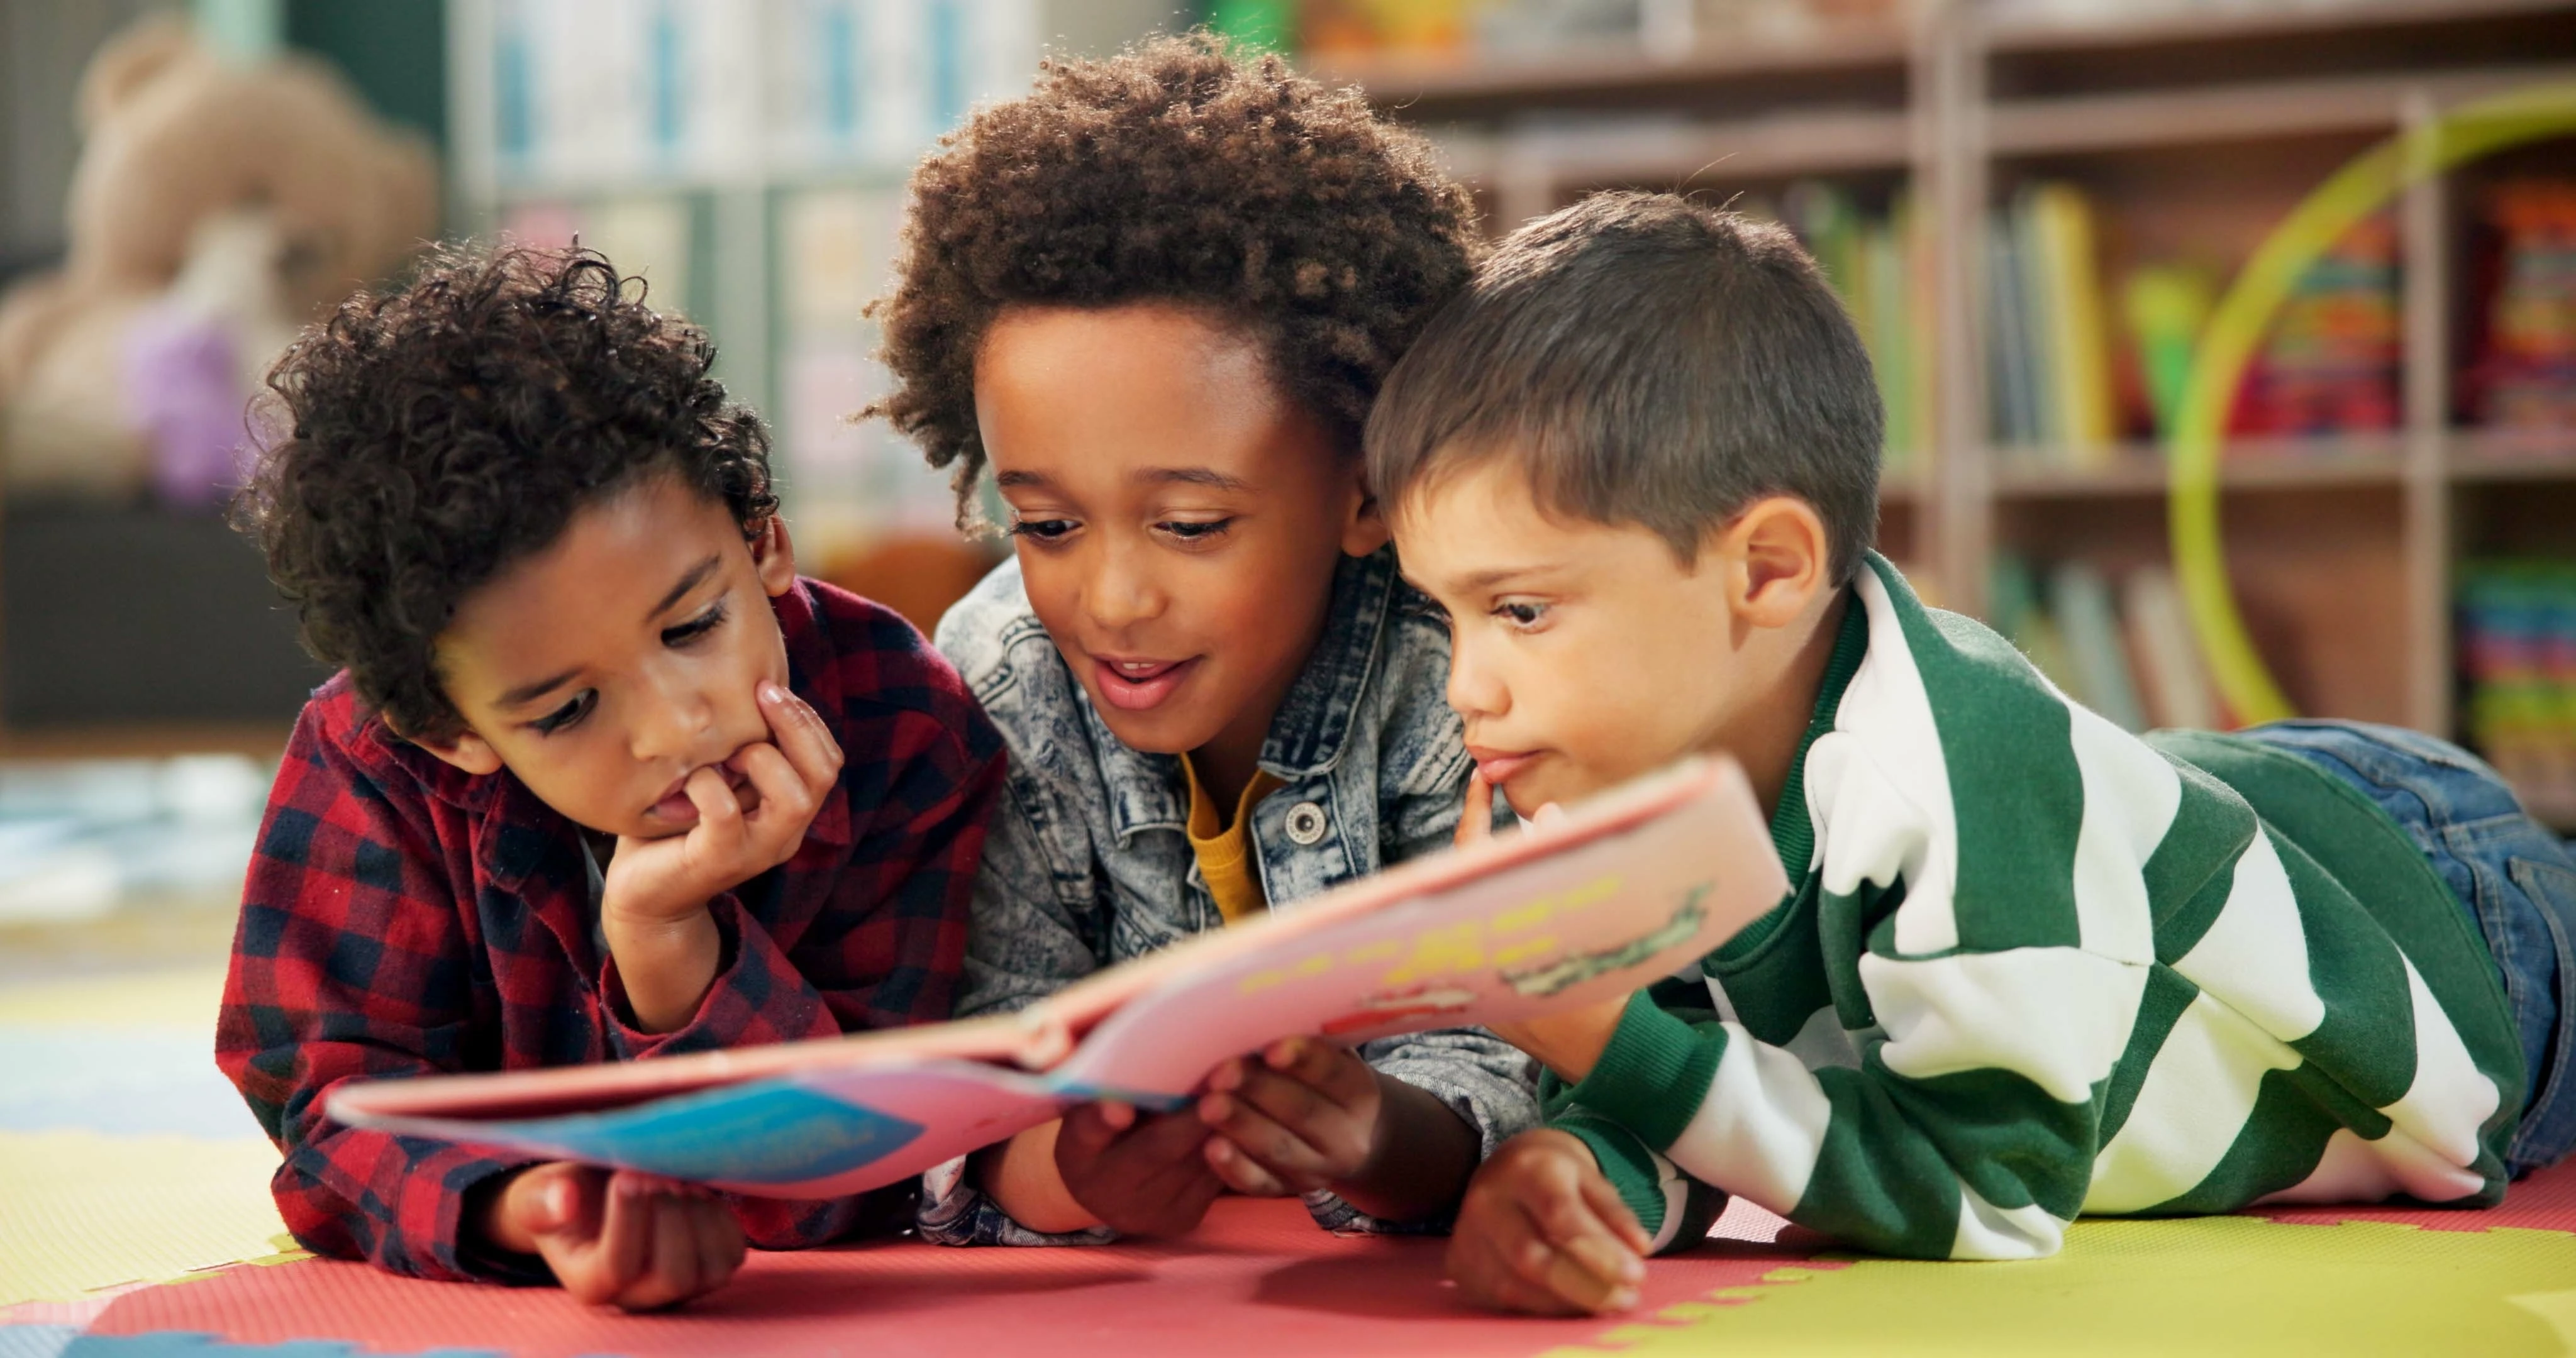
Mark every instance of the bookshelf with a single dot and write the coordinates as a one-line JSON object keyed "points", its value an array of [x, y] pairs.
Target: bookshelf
{"points": [[748, 158], [2189, 131]]}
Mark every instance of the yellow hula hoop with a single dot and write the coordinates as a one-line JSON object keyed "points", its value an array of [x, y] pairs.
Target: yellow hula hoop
{"points": [[2235, 329]]}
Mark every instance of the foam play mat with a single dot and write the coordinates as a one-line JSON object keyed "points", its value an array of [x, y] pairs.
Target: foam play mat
{"points": [[135, 1223]]}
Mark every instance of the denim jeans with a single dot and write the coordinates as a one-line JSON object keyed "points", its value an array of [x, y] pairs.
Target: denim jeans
{"points": [[2515, 878]]}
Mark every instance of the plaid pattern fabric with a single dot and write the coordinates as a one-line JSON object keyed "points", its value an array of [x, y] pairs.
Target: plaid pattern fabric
{"points": [[403, 917]]}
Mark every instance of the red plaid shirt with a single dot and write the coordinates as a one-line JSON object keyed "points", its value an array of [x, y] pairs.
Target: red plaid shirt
{"points": [[403, 917]]}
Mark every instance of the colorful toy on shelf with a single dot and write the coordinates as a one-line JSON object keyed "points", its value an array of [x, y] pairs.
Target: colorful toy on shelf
{"points": [[2517, 622], [2524, 373]]}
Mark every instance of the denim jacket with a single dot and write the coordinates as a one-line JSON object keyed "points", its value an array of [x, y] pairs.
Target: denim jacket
{"points": [[1087, 863]]}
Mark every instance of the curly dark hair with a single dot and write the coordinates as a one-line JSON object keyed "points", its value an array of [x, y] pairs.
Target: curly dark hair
{"points": [[1184, 171], [425, 439]]}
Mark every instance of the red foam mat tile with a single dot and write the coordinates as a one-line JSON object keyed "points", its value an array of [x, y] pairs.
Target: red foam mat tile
{"points": [[1257, 1280], [2544, 1201]]}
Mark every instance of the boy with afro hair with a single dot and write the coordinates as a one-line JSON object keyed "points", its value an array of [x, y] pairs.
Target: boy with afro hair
{"points": [[1154, 299], [601, 779]]}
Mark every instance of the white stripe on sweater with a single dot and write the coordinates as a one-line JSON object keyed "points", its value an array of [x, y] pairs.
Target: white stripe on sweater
{"points": [[1906, 828], [2254, 958], [2199, 1091], [1990, 1232], [1976, 1011], [1760, 1127], [2450, 1096], [2130, 797]]}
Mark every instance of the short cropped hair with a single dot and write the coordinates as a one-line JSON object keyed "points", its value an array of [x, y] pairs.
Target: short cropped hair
{"points": [[426, 439], [1185, 171], [1649, 361]]}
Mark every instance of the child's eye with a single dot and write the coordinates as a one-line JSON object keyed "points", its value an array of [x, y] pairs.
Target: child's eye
{"points": [[1196, 530], [1042, 530], [569, 714], [695, 627], [1520, 615]]}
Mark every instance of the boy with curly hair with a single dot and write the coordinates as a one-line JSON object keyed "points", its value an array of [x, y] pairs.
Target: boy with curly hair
{"points": [[2032, 966], [1154, 299], [600, 779]]}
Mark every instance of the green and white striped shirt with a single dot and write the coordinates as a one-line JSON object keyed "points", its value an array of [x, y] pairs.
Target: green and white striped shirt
{"points": [[2038, 966]]}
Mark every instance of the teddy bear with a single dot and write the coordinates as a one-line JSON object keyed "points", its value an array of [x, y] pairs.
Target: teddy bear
{"points": [[217, 207]]}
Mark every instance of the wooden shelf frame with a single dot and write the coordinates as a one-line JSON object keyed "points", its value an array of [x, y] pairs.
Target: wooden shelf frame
{"points": [[1959, 132]]}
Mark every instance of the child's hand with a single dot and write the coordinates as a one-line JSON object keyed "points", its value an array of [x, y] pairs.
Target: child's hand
{"points": [[1139, 1175], [1302, 1116], [653, 903], [1542, 1231], [618, 1239], [739, 835], [1476, 815]]}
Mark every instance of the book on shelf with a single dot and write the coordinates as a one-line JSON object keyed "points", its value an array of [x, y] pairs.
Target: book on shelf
{"points": [[1580, 909], [2517, 648], [1876, 264], [2051, 386], [609, 91], [2124, 648]]}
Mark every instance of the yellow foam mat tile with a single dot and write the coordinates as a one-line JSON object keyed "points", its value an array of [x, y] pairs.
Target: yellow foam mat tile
{"points": [[81, 1211], [184, 997], [2211, 1285]]}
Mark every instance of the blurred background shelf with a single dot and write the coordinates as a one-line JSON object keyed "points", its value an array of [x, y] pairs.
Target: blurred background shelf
{"points": [[2029, 206]]}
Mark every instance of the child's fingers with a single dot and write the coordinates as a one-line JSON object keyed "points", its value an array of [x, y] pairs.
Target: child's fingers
{"points": [[674, 1272], [1085, 1134], [1566, 1217], [802, 736], [1476, 816], [787, 803], [1279, 1149], [1241, 1172], [625, 1236], [1336, 1071], [720, 1242], [1604, 1200], [1572, 1281], [720, 822], [1483, 1262]]}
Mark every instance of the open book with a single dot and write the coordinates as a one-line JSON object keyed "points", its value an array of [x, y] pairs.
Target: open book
{"points": [[1587, 907]]}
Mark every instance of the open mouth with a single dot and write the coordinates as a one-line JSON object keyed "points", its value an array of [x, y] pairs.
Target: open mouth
{"points": [[1140, 685]]}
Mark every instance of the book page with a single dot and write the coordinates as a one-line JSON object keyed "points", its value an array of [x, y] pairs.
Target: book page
{"points": [[1607, 901]]}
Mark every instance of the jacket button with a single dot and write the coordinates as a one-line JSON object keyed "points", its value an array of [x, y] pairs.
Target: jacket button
{"points": [[1306, 822]]}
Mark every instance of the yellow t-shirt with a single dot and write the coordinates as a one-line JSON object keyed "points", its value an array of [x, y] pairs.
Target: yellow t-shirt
{"points": [[1223, 844]]}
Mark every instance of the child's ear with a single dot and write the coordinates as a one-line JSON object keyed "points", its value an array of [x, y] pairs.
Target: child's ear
{"points": [[1366, 529], [468, 751], [1778, 560], [774, 557]]}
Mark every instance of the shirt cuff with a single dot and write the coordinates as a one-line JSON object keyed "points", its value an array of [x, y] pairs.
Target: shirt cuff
{"points": [[758, 996], [1654, 1074]]}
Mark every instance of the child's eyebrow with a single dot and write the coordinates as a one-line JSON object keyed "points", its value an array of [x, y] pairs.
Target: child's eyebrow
{"points": [[697, 576], [528, 693], [1191, 476]]}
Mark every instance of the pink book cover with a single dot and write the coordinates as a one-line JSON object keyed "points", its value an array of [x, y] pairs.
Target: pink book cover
{"points": [[1621, 892]]}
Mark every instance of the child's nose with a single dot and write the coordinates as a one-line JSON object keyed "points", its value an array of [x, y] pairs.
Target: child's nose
{"points": [[1474, 689], [1122, 591], [674, 719]]}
